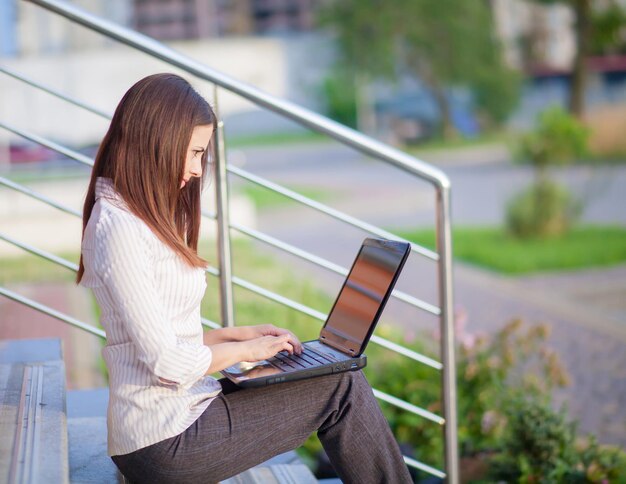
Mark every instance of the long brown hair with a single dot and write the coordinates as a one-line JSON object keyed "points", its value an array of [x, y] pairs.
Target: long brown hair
{"points": [[143, 152]]}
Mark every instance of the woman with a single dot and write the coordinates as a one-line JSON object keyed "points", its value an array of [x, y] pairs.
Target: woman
{"points": [[168, 419]]}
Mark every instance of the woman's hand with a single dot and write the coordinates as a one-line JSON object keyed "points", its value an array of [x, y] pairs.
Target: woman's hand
{"points": [[271, 330], [267, 346], [247, 333], [248, 343]]}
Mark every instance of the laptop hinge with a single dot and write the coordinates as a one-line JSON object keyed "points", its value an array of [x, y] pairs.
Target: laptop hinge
{"points": [[323, 339]]}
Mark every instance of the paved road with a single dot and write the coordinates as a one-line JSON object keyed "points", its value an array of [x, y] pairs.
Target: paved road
{"points": [[586, 309], [482, 180]]}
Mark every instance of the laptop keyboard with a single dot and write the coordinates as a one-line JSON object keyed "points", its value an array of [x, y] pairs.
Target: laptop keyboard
{"points": [[306, 359]]}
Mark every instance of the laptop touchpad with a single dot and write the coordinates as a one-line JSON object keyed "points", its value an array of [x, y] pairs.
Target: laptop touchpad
{"points": [[244, 370]]}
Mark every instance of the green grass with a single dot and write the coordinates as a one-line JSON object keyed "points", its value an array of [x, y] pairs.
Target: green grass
{"points": [[31, 268], [500, 137], [584, 247], [265, 198], [25, 176], [275, 139]]}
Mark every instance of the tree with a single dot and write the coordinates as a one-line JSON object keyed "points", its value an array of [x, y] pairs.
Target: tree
{"points": [[583, 33], [365, 36], [445, 43], [609, 30]]}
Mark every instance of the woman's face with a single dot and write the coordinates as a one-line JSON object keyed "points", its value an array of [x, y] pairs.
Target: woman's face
{"points": [[199, 143]]}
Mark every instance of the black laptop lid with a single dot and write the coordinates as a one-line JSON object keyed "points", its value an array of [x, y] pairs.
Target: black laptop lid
{"points": [[364, 294]]}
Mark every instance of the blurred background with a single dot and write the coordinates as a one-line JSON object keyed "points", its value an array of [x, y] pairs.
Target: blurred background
{"points": [[522, 103]]}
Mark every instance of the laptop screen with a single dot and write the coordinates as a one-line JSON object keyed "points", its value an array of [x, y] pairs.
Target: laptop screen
{"points": [[364, 293]]}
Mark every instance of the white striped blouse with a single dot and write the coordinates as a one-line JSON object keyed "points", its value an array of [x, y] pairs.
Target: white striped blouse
{"points": [[150, 309]]}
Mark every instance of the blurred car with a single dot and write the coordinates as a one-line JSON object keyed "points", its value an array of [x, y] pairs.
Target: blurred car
{"points": [[28, 152]]}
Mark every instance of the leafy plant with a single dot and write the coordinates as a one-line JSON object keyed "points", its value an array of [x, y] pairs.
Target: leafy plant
{"points": [[491, 369], [557, 139], [543, 209], [540, 446]]}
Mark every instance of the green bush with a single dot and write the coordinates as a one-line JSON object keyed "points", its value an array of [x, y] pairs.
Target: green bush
{"points": [[544, 209], [540, 446], [490, 370], [558, 139]]}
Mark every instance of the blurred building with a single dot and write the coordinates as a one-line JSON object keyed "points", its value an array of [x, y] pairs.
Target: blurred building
{"points": [[193, 19], [265, 43], [26, 29], [535, 35]]}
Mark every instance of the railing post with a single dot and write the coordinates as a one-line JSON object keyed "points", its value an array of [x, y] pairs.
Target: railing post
{"points": [[448, 375], [223, 221]]}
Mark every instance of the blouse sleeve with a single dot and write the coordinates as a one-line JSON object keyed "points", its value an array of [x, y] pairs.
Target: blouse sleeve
{"points": [[125, 265]]}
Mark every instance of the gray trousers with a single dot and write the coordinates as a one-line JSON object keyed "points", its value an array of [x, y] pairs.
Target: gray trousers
{"points": [[244, 427]]}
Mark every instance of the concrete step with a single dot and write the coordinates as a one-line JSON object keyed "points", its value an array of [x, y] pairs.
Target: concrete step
{"points": [[88, 460], [275, 474], [89, 463], [33, 425]]}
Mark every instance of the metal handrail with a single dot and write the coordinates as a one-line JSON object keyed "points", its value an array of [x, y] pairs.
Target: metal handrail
{"points": [[51, 312], [75, 155], [336, 214], [348, 137], [320, 261], [40, 252], [38, 196], [53, 92]]}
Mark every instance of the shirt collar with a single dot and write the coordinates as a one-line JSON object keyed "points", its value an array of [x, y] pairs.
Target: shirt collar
{"points": [[105, 189]]}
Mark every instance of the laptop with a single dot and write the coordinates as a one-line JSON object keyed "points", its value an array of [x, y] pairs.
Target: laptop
{"points": [[347, 329]]}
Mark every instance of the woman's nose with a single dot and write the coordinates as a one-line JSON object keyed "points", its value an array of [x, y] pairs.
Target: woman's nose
{"points": [[196, 169]]}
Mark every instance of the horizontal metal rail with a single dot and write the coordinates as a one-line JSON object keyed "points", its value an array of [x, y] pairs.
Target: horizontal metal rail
{"points": [[51, 312], [254, 179], [257, 289], [73, 267], [423, 467], [322, 317], [70, 265], [38, 196], [240, 228], [409, 407], [75, 155], [326, 264], [53, 92], [336, 214], [40, 253]]}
